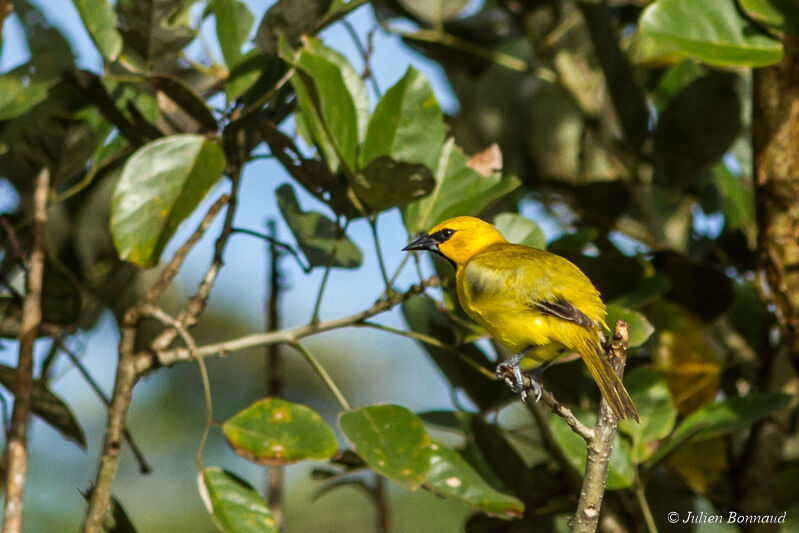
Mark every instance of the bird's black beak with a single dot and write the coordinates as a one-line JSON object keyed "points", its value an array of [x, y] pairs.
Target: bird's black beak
{"points": [[423, 243]]}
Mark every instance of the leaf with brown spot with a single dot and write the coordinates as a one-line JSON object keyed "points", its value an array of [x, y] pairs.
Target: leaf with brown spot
{"points": [[273, 431]]}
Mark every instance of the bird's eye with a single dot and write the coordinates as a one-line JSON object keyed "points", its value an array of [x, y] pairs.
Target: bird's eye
{"points": [[446, 233]]}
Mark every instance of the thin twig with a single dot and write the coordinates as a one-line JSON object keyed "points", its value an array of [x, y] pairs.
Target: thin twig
{"points": [[170, 271], [640, 496], [380, 497], [274, 366], [17, 461], [565, 413], [380, 262], [322, 374], [600, 444]]}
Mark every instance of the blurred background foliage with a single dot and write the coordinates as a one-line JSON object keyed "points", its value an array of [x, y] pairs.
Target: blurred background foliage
{"points": [[617, 134]]}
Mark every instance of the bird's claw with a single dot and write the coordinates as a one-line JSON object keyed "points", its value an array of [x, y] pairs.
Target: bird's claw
{"points": [[511, 373]]}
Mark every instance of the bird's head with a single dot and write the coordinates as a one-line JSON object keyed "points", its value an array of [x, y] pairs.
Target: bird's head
{"points": [[458, 239]]}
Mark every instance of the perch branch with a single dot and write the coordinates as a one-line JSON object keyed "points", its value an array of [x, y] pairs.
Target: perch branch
{"points": [[600, 444]]}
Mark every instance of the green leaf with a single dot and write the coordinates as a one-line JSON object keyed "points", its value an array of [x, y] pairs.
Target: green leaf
{"points": [[640, 328], [723, 417], [273, 431], [407, 124], [47, 406], [332, 99], [621, 471], [101, 21], [452, 477], [713, 31], [245, 73], [386, 183], [16, 96], [161, 184], [780, 16], [289, 19], [234, 505], [460, 190], [517, 229], [155, 30], [317, 236], [696, 129], [188, 100], [233, 24], [651, 396], [392, 441]]}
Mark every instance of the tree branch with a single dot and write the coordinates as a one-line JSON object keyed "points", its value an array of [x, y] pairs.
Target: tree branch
{"points": [[23, 386], [257, 340], [600, 444], [128, 373]]}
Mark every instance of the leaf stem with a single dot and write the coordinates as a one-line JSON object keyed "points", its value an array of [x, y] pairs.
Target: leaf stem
{"points": [[381, 263], [322, 374]]}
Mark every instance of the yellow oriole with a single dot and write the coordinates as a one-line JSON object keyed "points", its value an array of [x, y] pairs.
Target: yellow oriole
{"points": [[534, 302]]}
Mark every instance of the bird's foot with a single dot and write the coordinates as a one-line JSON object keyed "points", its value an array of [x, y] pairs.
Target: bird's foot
{"points": [[519, 383]]}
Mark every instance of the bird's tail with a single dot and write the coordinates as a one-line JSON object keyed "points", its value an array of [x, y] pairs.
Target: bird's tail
{"points": [[609, 384]]}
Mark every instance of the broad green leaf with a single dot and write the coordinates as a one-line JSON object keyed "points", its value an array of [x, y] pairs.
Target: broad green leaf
{"points": [[713, 31], [781, 16], [387, 183], [392, 441], [16, 97], [407, 124], [459, 190], [700, 474], [233, 24], [452, 477], [245, 73], [722, 417], [651, 396], [161, 184], [332, 99], [155, 30], [188, 100], [47, 406], [273, 431], [101, 21], [621, 471], [696, 129], [517, 229], [233, 504], [317, 236], [640, 328], [289, 19]]}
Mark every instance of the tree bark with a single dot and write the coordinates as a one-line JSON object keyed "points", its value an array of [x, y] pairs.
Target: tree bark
{"points": [[775, 148]]}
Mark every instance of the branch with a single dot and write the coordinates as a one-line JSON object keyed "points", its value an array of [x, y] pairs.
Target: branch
{"points": [[600, 444], [128, 373], [23, 386], [273, 362], [291, 335]]}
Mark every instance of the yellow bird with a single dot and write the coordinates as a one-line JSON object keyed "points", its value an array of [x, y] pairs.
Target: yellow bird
{"points": [[534, 302]]}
